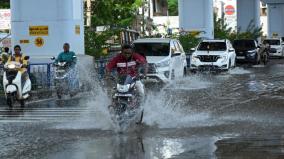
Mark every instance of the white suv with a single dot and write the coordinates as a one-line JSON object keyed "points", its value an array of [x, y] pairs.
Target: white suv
{"points": [[166, 58], [276, 47], [213, 55]]}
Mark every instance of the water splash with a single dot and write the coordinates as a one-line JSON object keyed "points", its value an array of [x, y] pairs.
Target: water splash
{"points": [[190, 83], [238, 71], [166, 110]]}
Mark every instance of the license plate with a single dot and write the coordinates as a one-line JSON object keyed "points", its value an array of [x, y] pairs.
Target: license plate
{"points": [[122, 95], [241, 57]]}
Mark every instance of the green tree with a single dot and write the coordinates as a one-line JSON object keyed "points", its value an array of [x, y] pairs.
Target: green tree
{"points": [[173, 7], [116, 15], [222, 31], [4, 4]]}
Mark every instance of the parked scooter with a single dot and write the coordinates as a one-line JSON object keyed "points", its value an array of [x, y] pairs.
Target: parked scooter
{"points": [[66, 78], [17, 84]]}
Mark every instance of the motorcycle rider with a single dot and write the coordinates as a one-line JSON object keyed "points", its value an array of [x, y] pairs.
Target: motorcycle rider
{"points": [[127, 63], [67, 55]]}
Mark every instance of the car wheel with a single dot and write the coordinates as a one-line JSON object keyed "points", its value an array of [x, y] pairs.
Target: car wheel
{"points": [[184, 72], [256, 62], [230, 65]]}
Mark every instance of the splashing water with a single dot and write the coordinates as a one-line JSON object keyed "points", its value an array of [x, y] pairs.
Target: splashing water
{"points": [[190, 83], [238, 71], [165, 111]]}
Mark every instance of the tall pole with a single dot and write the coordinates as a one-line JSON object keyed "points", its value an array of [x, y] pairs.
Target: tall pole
{"points": [[88, 13]]}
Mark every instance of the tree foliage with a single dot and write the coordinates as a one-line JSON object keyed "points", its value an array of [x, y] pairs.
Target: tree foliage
{"points": [[4, 4], [116, 15], [223, 31], [173, 7]]}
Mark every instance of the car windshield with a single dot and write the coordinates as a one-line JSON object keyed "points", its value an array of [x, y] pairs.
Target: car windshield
{"points": [[212, 46], [244, 44], [152, 49], [272, 42], [124, 79]]}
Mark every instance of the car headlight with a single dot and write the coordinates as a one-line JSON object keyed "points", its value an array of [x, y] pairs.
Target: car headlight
{"points": [[224, 58], [163, 64], [194, 58], [11, 66], [251, 52], [123, 88]]}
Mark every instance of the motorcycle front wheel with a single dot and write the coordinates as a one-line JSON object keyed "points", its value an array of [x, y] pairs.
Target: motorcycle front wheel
{"points": [[10, 101]]}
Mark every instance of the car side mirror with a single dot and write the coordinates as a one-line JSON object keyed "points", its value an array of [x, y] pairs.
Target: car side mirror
{"points": [[52, 58], [258, 46], [26, 58], [192, 49], [231, 50], [282, 43]]}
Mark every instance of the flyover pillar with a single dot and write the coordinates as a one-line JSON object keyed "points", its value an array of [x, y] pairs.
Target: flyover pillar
{"points": [[248, 14], [42, 26], [197, 16], [275, 13]]}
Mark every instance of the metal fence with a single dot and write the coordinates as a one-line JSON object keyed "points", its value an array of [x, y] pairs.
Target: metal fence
{"points": [[41, 75]]}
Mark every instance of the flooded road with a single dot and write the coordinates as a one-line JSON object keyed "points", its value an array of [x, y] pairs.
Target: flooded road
{"points": [[239, 115]]}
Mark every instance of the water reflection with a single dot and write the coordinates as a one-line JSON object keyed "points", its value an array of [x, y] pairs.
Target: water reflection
{"points": [[141, 147]]}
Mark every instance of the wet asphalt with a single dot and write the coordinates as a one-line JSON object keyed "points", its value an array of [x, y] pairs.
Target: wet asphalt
{"points": [[237, 114]]}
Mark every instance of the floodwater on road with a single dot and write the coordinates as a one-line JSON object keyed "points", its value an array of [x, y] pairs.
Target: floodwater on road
{"points": [[238, 114]]}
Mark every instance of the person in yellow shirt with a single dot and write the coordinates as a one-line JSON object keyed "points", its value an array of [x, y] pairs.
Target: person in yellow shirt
{"points": [[19, 57]]}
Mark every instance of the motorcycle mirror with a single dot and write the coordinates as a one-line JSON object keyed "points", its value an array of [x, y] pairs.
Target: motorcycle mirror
{"points": [[52, 58], [26, 58]]}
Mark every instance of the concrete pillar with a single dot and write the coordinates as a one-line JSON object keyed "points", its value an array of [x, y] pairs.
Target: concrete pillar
{"points": [[197, 15], [275, 20], [248, 11], [42, 26]]}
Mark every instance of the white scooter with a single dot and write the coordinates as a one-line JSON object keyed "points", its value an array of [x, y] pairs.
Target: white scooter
{"points": [[17, 85]]}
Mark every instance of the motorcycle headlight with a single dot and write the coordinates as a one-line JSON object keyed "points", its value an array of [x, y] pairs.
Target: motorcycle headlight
{"points": [[11, 66], [123, 88], [163, 64]]}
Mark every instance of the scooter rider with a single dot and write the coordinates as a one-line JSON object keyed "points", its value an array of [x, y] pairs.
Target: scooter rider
{"points": [[127, 63], [21, 58], [67, 55]]}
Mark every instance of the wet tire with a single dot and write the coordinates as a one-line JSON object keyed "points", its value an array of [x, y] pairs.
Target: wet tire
{"points": [[10, 101], [265, 60], [22, 102], [59, 96], [184, 72], [141, 118]]}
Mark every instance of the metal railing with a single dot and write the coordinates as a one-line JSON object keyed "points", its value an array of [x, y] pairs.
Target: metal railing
{"points": [[41, 75]]}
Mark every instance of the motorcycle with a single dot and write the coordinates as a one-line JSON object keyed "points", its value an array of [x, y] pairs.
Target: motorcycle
{"points": [[264, 54], [66, 78], [126, 104], [17, 84]]}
